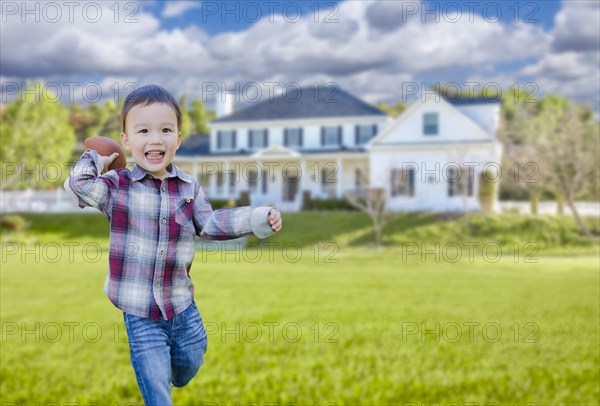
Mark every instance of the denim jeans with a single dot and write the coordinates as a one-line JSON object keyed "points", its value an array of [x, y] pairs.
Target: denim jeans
{"points": [[165, 351]]}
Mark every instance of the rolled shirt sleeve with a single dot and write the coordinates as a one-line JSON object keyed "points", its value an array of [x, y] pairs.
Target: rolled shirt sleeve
{"points": [[229, 223], [88, 186]]}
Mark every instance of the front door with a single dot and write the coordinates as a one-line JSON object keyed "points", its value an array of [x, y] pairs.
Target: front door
{"points": [[290, 187]]}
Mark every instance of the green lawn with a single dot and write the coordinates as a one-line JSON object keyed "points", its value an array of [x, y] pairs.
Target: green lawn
{"points": [[368, 329]]}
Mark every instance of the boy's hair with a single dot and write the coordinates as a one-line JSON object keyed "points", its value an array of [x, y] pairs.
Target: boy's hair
{"points": [[146, 95]]}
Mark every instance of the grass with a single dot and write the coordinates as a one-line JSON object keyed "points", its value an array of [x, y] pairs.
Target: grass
{"points": [[375, 328]]}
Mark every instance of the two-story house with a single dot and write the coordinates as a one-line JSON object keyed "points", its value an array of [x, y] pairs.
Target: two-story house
{"points": [[329, 142], [311, 139]]}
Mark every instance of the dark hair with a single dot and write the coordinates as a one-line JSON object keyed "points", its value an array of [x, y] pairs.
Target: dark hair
{"points": [[146, 95]]}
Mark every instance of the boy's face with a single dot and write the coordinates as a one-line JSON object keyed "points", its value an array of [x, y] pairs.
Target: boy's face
{"points": [[152, 137]]}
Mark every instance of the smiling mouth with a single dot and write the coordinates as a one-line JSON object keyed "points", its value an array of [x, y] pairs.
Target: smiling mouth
{"points": [[155, 154]]}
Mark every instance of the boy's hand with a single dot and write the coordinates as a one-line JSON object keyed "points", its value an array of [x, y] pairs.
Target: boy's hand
{"points": [[275, 220], [107, 160]]}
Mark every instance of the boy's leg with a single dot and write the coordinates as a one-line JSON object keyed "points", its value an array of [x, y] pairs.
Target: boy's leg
{"points": [[188, 346], [149, 351]]}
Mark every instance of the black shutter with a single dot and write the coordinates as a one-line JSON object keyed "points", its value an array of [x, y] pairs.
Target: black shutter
{"points": [[374, 131], [301, 136], [234, 140], [251, 138], [340, 135], [266, 138], [219, 142], [393, 186], [322, 135], [264, 181], [356, 131], [285, 137]]}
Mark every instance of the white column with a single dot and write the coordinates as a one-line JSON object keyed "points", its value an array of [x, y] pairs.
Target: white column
{"points": [[303, 175], [340, 178], [226, 179]]}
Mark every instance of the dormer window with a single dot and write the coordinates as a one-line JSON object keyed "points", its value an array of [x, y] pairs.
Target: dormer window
{"points": [[258, 138], [292, 137], [430, 124], [364, 133], [331, 136], [226, 140]]}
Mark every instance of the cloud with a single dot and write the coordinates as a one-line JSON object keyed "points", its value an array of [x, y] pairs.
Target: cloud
{"points": [[570, 68], [577, 27], [178, 8], [370, 49]]}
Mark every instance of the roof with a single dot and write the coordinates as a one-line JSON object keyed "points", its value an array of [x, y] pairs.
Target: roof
{"points": [[306, 102], [464, 100], [195, 144]]}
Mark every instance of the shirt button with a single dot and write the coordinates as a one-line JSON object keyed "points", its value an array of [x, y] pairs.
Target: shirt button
{"points": [[157, 284], [163, 188], [187, 200], [164, 221], [162, 253]]}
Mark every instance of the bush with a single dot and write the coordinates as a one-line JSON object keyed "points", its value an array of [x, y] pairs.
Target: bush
{"points": [[330, 204], [13, 223]]}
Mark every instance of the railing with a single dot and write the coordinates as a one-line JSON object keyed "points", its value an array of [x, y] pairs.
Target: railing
{"points": [[58, 201]]}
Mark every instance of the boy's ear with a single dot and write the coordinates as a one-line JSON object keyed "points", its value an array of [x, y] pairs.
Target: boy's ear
{"points": [[179, 138], [125, 141]]}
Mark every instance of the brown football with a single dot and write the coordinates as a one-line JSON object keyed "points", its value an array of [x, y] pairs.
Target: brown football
{"points": [[107, 146]]}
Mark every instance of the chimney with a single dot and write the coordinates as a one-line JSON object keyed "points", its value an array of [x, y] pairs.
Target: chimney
{"points": [[224, 104]]}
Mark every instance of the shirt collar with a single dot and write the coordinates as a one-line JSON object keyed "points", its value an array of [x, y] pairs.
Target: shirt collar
{"points": [[138, 173]]}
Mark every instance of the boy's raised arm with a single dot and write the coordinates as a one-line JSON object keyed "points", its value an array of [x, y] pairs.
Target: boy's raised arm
{"points": [[226, 224], [88, 185]]}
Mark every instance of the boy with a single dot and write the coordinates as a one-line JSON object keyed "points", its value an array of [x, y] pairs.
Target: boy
{"points": [[155, 210]]}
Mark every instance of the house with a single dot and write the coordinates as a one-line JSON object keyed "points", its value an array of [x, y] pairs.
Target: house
{"points": [[328, 143], [435, 156]]}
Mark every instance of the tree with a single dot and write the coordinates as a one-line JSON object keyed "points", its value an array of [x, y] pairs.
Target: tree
{"points": [[185, 119], [516, 132], [371, 201], [198, 117], [36, 139], [566, 149], [393, 111]]}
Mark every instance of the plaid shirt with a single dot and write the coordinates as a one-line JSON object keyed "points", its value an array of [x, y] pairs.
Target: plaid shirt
{"points": [[152, 227]]}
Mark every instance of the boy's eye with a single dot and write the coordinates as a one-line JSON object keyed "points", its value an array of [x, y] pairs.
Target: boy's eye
{"points": [[166, 130], [143, 131]]}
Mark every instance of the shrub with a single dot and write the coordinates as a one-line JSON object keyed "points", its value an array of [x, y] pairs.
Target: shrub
{"points": [[13, 222], [330, 204]]}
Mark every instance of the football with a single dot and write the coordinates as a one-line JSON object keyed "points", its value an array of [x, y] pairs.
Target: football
{"points": [[107, 146]]}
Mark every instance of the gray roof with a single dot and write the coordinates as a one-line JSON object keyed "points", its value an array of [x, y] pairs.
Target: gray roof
{"points": [[462, 100], [195, 144], [306, 102]]}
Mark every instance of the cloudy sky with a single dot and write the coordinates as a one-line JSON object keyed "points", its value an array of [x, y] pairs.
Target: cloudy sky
{"points": [[377, 50]]}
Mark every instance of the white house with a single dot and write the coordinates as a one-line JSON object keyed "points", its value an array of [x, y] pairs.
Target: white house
{"points": [[328, 143]]}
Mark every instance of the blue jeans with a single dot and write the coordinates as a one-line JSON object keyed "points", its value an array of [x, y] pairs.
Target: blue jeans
{"points": [[165, 352]]}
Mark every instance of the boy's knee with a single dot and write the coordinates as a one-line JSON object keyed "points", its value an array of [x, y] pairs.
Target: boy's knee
{"points": [[182, 375]]}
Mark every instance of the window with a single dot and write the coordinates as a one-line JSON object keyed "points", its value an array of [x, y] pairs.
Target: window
{"points": [[364, 133], [403, 182], [220, 182], [226, 140], [232, 181], [292, 137], [252, 180], [361, 179], [460, 181], [258, 138], [430, 124], [331, 136], [265, 181], [329, 180]]}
